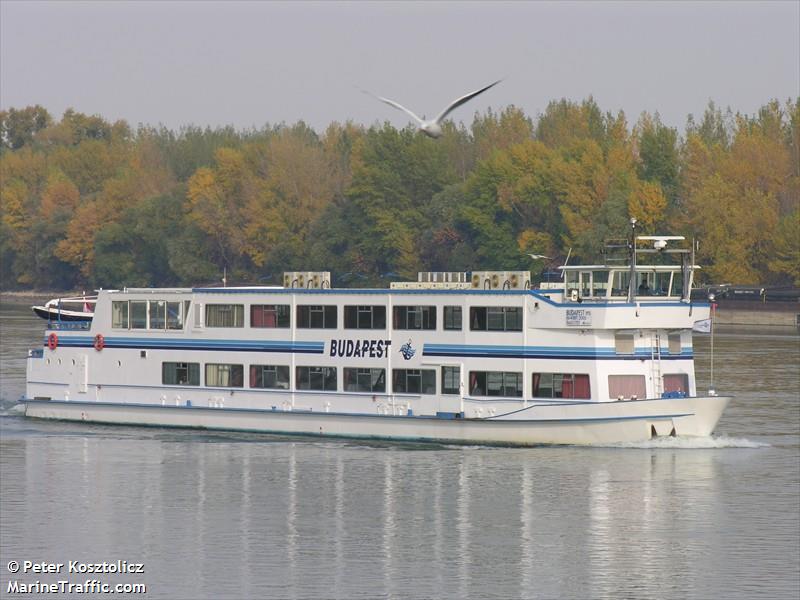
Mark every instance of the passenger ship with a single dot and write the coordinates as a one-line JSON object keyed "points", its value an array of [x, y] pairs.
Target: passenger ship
{"points": [[605, 356]]}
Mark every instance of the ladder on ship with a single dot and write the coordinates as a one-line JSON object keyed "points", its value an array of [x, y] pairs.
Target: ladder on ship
{"points": [[655, 361]]}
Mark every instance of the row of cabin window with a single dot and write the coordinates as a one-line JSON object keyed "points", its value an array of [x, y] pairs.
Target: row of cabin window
{"points": [[481, 318], [414, 381], [149, 314]]}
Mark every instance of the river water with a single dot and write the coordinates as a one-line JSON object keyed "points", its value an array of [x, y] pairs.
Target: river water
{"points": [[221, 515]]}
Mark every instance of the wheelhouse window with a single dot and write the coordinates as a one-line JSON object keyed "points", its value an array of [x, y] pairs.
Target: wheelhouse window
{"points": [[561, 385], [365, 380], [269, 315], [414, 317], [138, 314], [119, 314], [219, 375], [157, 315], [451, 380], [452, 318], [317, 316], [365, 317], [271, 377], [626, 386], [224, 315], [180, 373], [495, 318], [495, 383], [414, 381], [157, 310], [322, 379]]}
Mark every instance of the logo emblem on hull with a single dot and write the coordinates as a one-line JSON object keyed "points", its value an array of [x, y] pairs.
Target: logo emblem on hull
{"points": [[407, 351]]}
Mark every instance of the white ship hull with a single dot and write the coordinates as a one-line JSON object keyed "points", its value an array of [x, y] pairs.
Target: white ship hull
{"points": [[568, 423]]}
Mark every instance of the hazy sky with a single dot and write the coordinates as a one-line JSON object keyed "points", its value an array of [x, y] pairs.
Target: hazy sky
{"points": [[251, 63]]}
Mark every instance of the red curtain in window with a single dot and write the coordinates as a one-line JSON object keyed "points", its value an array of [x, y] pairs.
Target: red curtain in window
{"points": [[537, 377], [567, 390], [582, 391], [678, 382], [261, 317]]}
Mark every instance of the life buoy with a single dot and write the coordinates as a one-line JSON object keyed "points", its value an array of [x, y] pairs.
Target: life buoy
{"points": [[99, 342], [52, 341]]}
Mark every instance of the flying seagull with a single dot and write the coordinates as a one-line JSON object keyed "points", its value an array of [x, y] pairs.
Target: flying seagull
{"points": [[538, 256], [433, 127]]}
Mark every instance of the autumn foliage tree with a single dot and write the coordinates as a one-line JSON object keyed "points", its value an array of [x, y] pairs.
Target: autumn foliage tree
{"points": [[87, 203]]}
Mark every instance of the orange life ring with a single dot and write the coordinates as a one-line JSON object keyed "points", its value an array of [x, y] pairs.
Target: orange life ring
{"points": [[52, 341], [99, 342]]}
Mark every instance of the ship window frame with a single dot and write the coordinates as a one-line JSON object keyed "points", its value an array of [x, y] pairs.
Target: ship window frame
{"points": [[136, 320], [451, 380], [280, 313], [235, 375], [118, 319], [414, 317], [371, 380], [365, 316], [490, 379], [671, 387], [326, 314], [495, 318], [453, 318], [280, 373], [308, 375], [192, 373], [554, 382], [624, 342], [675, 343], [216, 315], [414, 381]]}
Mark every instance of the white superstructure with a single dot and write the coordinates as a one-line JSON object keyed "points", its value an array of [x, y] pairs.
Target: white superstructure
{"points": [[444, 358]]}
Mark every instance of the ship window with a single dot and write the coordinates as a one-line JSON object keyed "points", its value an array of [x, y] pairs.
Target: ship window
{"points": [[273, 377], [620, 282], [452, 318], [224, 315], [626, 386], [158, 314], [269, 315], [414, 381], [676, 382], [138, 314], [316, 317], [175, 315], [451, 380], [365, 380], [495, 383], [623, 343], [561, 385], [414, 317], [179, 373], [365, 317], [599, 283], [495, 318], [119, 314], [674, 343], [316, 378], [218, 375]]}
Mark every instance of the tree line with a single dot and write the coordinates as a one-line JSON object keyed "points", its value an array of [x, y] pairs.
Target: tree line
{"points": [[88, 203]]}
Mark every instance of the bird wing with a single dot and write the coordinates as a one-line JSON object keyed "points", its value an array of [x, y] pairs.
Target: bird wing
{"points": [[456, 103], [401, 107]]}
